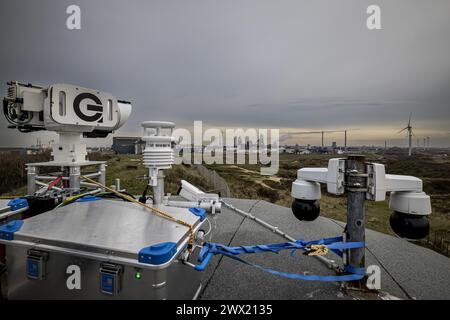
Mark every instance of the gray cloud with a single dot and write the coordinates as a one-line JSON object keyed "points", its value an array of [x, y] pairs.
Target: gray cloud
{"points": [[258, 63]]}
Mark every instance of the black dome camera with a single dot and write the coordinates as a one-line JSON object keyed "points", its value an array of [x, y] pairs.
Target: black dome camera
{"points": [[306, 210], [409, 226]]}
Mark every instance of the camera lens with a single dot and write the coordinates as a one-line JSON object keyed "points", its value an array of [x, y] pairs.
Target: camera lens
{"points": [[409, 226], [306, 210]]}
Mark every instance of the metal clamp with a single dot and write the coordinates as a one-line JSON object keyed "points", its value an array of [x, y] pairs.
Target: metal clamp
{"points": [[316, 249]]}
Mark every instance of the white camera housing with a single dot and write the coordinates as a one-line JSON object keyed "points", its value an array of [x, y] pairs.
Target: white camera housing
{"points": [[68, 110], [306, 190], [414, 203]]}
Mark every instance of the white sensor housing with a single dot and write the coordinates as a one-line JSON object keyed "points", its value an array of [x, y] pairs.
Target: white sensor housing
{"points": [[158, 152]]}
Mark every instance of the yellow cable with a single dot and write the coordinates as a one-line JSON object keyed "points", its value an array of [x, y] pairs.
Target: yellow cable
{"points": [[10, 197], [152, 209]]}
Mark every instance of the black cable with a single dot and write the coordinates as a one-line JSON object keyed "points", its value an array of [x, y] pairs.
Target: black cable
{"points": [[2, 268], [11, 117], [143, 198], [5, 106]]}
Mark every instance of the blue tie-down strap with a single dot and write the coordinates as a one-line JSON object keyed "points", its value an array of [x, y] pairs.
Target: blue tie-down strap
{"points": [[17, 203], [335, 244]]}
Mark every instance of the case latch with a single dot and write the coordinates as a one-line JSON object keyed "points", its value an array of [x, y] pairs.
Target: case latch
{"points": [[110, 278], [36, 264]]}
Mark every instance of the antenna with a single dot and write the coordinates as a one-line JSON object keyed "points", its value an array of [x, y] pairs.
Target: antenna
{"points": [[410, 134]]}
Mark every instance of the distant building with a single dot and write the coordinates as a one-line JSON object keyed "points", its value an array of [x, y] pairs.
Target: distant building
{"points": [[23, 150], [128, 145], [98, 149], [18, 150], [35, 149], [291, 151]]}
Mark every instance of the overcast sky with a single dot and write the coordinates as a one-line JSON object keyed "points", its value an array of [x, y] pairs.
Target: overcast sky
{"points": [[303, 65]]}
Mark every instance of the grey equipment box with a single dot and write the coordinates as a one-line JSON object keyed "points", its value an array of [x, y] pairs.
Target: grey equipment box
{"points": [[101, 249]]}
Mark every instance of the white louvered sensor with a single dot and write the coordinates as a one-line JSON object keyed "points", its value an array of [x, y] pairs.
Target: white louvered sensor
{"points": [[158, 152]]}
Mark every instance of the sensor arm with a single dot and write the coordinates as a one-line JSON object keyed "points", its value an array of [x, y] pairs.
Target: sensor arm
{"points": [[406, 192], [313, 174], [307, 185], [396, 182], [379, 182]]}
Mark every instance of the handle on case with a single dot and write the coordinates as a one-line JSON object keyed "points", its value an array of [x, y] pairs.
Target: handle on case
{"points": [[204, 262]]}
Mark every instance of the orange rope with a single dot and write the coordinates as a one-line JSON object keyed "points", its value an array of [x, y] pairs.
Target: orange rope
{"points": [[152, 209]]}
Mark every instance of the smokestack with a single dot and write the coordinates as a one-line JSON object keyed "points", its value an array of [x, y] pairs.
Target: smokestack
{"points": [[345, 141]]}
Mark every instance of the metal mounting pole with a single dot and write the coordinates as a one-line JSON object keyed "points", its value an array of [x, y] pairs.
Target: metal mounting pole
{"points": [[158, 190], [74, 177], [356, 187], [102, 176], [32, 173], [410, 143]]}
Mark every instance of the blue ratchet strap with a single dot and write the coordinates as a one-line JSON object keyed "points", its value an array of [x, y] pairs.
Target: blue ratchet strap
{"points": [[334, 244]]}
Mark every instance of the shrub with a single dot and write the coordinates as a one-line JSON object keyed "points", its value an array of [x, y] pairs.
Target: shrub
{"points": [[271, 194], [12, 164]]}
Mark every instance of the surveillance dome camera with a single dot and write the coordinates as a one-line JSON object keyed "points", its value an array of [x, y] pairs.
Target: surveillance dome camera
{"points": [[409, 226], [306, 210], [409, 219]]}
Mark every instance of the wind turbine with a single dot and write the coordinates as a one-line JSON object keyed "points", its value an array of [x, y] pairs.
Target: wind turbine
{"points": [[410, 134]]}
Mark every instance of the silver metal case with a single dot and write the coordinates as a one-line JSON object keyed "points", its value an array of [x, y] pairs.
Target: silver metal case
{"points": [[101, 241]]}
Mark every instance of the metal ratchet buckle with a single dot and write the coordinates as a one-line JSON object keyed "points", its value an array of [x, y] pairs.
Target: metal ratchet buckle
{"points": [[316, 249]]}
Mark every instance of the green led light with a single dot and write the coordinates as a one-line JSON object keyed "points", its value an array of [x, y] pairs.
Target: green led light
{"points": [[138, 275]]}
